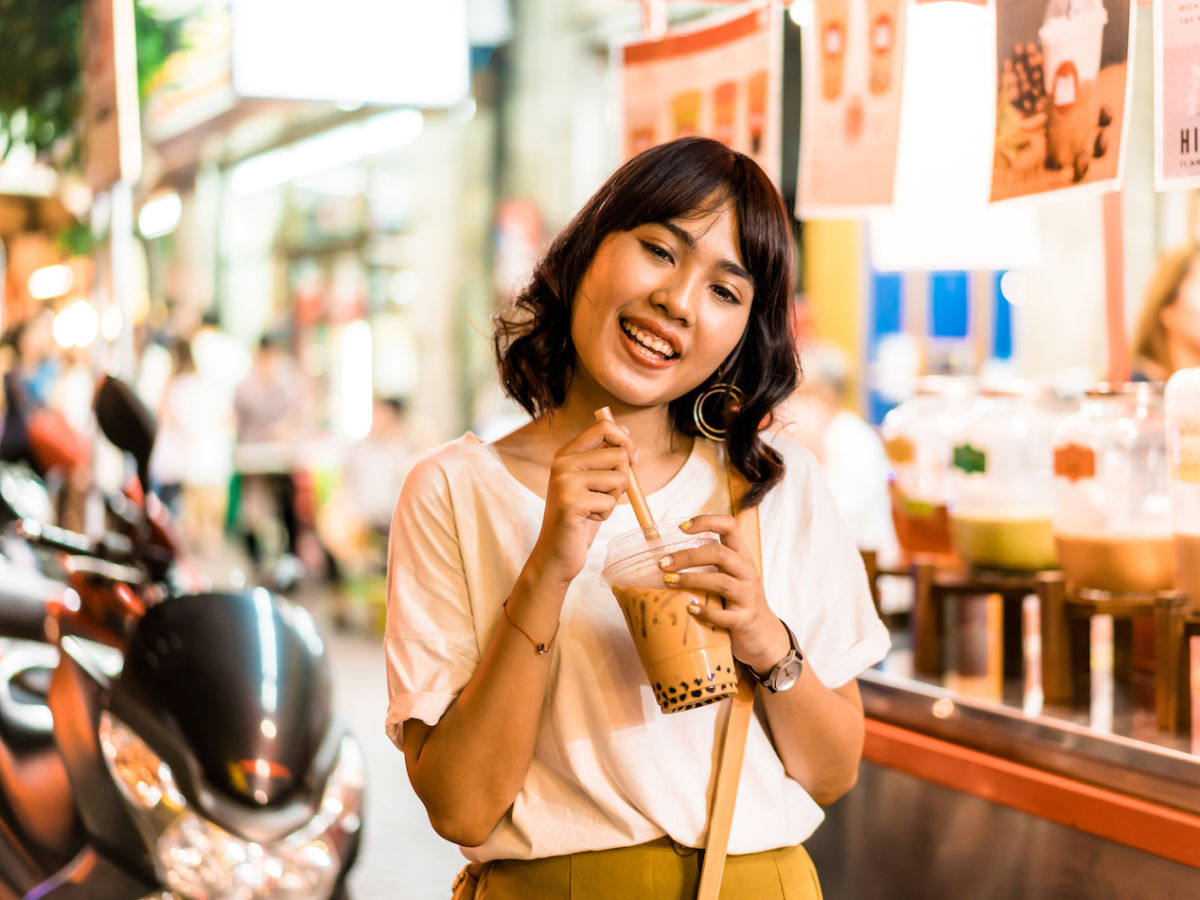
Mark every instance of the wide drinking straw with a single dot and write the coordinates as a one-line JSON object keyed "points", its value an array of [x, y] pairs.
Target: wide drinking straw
{"points": [[637, 498]]}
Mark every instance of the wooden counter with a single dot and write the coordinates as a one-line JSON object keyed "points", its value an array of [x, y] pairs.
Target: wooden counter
{"points": [[964, 798]]}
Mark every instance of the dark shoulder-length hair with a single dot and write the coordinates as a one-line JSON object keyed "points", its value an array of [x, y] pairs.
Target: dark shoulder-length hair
{"points": [[688, 177]]}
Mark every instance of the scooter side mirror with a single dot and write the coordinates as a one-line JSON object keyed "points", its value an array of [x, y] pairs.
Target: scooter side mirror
{"points": [[125, 420]]}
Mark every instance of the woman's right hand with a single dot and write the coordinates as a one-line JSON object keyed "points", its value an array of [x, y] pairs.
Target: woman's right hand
{"points": [[587, 478]]}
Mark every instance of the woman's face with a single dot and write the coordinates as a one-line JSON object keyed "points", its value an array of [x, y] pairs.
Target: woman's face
{"points": [[660, 308], [1182, 316]]}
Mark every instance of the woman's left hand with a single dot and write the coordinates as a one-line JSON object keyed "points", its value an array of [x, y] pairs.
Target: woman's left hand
{"points": [[759, 640]]}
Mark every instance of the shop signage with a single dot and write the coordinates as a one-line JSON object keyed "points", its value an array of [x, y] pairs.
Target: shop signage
{"points": [[853, 63], [721, 78], [194, 86], [396, 53], [1062, 90], [111, 132], [1176, 94]]}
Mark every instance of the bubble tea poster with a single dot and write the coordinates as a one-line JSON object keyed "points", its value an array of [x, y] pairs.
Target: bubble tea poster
{"points": [[721, 79], [1062, 77], [1176, 94], [853, 64]]}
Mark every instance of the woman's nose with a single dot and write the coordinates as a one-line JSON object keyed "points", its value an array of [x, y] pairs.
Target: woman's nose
{"points": [[676, 301]]}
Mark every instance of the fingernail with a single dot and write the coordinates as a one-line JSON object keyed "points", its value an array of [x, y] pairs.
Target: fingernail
{"points": [[664, 562], [671, 578], [685, 524], [693, 608]]}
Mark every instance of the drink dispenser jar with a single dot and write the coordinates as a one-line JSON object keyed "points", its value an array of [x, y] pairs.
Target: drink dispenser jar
{"points": [[918, 435], [1183, 451], [1002, 481], [1112, 509]]}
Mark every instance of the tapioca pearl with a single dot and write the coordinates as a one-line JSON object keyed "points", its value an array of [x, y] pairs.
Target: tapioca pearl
{"points": [[697, 693]]}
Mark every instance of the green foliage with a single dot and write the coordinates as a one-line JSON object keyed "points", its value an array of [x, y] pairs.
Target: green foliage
{"points": [[40, 89], [77, 239], [39, 71]]}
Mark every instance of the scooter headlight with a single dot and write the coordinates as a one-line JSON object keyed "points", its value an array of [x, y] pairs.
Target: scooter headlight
{"points": [[201, 860]]}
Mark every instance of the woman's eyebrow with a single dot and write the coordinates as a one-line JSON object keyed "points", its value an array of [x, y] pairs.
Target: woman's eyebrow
{"points": [[690, 242], [683, 235]]}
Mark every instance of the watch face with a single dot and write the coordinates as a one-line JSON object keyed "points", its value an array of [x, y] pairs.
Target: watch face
{"points": [[787, 674]]}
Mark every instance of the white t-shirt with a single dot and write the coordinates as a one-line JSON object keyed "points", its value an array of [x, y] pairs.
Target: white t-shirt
{"points": [[609, 769]]}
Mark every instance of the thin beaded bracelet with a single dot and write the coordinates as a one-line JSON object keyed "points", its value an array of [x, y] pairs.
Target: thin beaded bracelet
{"points": [[540, 649]]}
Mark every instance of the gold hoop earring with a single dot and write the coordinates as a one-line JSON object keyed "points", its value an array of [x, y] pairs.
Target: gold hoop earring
{"points": [[732, 398]]}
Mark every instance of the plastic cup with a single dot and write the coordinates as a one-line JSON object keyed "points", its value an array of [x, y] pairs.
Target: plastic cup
{"points": [[688, 662], [1072, 46]]}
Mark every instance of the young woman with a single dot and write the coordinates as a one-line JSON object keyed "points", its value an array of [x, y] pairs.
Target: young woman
{"points": [[1168, 333], [557, 769]]}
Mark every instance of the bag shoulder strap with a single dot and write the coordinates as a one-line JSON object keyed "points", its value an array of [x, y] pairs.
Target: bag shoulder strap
{"points": [[733, 747]]}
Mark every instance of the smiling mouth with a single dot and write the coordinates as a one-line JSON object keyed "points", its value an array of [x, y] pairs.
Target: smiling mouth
{"points": [[649, 341]]}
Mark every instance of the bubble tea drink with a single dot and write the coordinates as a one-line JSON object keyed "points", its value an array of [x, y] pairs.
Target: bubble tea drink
{"points": [[688, 662], [1072, 37], [831, 19], [882, 26]]}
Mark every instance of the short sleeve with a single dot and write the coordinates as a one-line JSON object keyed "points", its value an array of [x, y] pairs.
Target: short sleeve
{"points": [[832, 613], [430, 645]]}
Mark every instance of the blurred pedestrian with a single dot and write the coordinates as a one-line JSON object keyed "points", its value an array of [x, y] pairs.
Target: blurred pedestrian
{"points": [[193, 456], [376, 465], [1168, 332], [267, 408], [849, 450], [72, 397], [27, 385], [353, 525]]}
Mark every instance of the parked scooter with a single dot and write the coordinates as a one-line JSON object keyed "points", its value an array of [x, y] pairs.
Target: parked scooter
{"points": [[194, 752]]}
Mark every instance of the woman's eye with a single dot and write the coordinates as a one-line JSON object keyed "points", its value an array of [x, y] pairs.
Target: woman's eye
{"points": [[725, 294], [655, 250]]}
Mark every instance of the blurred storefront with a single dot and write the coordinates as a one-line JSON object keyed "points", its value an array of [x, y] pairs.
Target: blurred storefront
{"points": [[359, 231]]}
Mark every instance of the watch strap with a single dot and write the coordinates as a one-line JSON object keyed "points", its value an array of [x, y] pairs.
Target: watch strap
{"points": [[768, 680]]}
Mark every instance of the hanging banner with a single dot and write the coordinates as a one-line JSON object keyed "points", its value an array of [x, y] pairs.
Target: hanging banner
{"points": [[721, 79], [1176, 94], [109, 112], [1062, 92], [853, 64]]}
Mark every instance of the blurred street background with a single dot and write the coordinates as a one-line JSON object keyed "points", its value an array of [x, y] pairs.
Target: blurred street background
{"points": [[288, 224]]}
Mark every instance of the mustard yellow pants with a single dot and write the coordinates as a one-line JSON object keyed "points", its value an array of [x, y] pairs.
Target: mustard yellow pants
{"points": [[658, 870]]}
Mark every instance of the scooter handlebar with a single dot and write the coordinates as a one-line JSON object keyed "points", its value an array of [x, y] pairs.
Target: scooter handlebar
{"points": [[112, 547], [27, 601]]}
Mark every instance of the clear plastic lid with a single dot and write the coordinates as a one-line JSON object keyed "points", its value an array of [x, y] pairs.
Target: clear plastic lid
{"points": [[1183, 393], [1070, 9], [630, 555]]}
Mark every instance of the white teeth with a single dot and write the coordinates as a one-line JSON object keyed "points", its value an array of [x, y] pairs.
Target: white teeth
{"points": [[648, 340]]}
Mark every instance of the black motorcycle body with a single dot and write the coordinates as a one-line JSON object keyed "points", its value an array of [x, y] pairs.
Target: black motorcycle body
{"points": [[181, 748]]}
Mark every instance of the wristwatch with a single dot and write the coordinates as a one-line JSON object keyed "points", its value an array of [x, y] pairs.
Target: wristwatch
{"points": [[786, 672]]}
